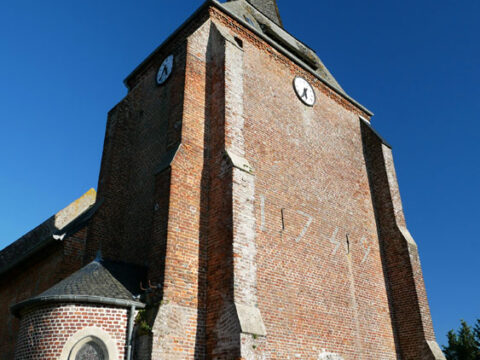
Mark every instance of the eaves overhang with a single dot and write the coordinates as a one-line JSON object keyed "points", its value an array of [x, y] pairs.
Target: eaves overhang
{"points": [[80, 299]]}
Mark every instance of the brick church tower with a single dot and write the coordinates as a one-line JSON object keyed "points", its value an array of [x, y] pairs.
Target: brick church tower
{"points": [[246, 209]]}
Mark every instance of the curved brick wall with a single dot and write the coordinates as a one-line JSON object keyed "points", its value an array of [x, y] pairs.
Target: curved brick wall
{"points": [[45, 330]]}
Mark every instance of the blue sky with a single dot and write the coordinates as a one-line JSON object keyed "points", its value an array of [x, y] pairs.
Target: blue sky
{"points": [[415, 64]]}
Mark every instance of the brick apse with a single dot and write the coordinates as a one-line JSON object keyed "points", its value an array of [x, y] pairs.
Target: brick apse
{"points": [[246, 209]]}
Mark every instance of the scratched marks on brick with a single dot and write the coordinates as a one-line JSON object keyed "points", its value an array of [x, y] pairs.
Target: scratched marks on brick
{"points": [[367, 247], [365, 244], [305, 228], [334, 241]]}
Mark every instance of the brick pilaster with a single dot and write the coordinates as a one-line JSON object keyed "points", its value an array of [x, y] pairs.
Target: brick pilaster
{"points": [[411, 314]]}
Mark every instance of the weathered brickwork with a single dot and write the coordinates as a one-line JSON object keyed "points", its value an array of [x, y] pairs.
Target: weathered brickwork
{"points": [[410, 309], [321, 283], [45, 331], [246, 34], [178, 329], [140, 130]]}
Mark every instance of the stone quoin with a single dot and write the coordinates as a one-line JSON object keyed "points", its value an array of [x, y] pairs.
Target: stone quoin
{"points": [[246, 209]]}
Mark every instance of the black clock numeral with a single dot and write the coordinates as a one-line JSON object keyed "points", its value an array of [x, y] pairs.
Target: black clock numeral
{"points": [[305, 93]]}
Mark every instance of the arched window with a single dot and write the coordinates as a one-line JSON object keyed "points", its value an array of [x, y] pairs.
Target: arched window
{"points": [[91, 343], [89, 348]]}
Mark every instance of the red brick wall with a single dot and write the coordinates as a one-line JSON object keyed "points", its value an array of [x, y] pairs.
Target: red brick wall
{"points": [[31, 278], [140, 130], [309, 165], [179, 329], [140, 221], [45, 330], [222, 331], [410, 309]]}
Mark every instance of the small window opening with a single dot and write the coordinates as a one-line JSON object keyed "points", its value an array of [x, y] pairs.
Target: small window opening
{"points": [[239, 42]]}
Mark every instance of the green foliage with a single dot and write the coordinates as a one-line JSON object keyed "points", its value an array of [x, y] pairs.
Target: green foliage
{"points": [[465, 344], [476, 332], [144, 327]]}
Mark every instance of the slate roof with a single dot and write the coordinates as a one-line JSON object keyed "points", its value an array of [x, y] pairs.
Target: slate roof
{"points": [[100, 282], [268, 8]]}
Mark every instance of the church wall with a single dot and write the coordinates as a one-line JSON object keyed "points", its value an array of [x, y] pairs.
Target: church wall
{"points": [[222, 327], [179, 327], [50, 331], [31, 278], [152, 204], [410, 309], [140, 130], [320, 278], [310, 167]]}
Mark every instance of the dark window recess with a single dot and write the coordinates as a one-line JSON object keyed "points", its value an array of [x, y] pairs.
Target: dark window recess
{"points": [[239, 42], [90, 351]]}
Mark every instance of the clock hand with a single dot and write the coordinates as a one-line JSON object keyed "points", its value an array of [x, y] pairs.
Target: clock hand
{"points": [[305, 93], [164, 72]]}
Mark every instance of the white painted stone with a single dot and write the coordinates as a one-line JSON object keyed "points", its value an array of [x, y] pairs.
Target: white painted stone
{"points": [[250, 320], [328, 356]]}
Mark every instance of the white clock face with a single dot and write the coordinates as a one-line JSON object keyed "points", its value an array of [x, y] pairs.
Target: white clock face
{"points": [[165, 70], [304, 91]]}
